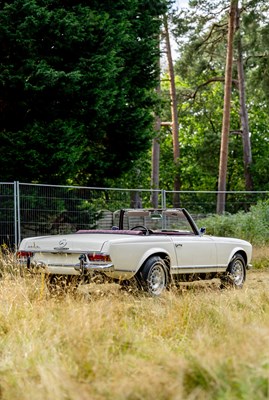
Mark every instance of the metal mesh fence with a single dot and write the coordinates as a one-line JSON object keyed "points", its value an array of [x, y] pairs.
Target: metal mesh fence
{"points": [[203, 203], [46, 209], [8, 232], [34, 210]]}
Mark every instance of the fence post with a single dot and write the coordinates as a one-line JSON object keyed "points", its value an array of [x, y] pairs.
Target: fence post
{"points": [[17, 213], [163, 199]]}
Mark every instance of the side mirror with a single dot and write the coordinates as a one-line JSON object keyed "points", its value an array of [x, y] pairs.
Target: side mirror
{"points": [[202, 231]]}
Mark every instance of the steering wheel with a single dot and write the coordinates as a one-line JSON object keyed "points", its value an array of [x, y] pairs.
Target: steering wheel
{"points": [[141, 228]]}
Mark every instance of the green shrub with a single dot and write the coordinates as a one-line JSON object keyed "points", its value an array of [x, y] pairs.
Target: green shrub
{"points": [[252, 226]]}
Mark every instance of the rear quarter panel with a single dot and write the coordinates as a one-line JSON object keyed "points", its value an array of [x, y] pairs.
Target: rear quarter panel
{"points": [[130, 254]]}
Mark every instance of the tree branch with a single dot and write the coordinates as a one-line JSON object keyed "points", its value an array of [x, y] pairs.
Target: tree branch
{"points": [[215, 79]]}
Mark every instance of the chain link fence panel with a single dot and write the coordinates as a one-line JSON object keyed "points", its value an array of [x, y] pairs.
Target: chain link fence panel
{"points": [[46, 209], [8, 208], [36, 210]]}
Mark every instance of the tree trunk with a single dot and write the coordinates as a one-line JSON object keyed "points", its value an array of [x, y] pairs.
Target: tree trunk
{"points": [[247, 156], [155, 164], [174, 114], [226, 110], [155, 153]]}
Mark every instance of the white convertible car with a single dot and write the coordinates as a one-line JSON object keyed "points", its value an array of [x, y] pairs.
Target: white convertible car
{"points": [[156, 247]]}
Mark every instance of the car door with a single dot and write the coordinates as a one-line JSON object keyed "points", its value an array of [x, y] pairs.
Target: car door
{"points": [[195, 253]]}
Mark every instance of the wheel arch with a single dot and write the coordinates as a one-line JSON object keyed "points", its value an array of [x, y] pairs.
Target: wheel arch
{"points": [[235, 274], [154, 274], [158, 253], [242, 253]]}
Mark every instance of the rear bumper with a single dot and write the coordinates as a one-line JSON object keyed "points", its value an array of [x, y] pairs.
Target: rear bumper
{"points": [[69, 269], [88, 267], [60, 270], [39, 267]]}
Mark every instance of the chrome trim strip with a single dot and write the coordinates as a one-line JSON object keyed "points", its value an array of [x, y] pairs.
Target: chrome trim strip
{"points": [[54, 251], [182, 269]]}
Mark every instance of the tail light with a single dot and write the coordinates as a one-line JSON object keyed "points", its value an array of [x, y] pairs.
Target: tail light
{"points": [[98, 257], [24, 254], [25, 257]]}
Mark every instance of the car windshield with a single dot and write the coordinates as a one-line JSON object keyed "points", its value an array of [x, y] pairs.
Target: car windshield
{"points": [[160, 220]]}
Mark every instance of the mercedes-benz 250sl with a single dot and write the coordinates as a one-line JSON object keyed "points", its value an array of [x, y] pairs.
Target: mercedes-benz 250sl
{"points": [[153, 247]]}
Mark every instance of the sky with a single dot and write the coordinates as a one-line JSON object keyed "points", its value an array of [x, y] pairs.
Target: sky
{"points": [[181, 3], [178, 4]]}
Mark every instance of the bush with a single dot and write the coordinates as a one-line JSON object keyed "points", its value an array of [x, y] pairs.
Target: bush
{"points": [[252, 226]]}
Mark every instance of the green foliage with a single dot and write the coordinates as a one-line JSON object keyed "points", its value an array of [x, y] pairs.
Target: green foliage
{"points": [[199, 133], [201, 32], [77, 101], [77, 82], [252, 226]]}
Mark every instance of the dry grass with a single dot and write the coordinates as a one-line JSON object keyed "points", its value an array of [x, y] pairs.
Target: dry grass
{"points": [[261, 257], [104, 343]]}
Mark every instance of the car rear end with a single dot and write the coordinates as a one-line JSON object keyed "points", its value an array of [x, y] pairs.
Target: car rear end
{"points": [[60, 254]]}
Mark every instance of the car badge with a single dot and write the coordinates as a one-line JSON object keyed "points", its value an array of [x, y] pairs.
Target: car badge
{"points": [[62, 243]]}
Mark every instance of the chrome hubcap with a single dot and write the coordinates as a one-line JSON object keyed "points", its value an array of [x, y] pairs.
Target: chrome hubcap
{"points": [[157, 279], [237, 273]]}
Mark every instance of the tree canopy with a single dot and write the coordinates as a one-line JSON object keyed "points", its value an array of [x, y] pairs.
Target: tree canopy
{"points": [[201, 35], [76, 87], [77, 99]]}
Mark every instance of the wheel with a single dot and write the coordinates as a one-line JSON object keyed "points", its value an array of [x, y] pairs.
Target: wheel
{"points": [[61, 284], [236, 272], [141, 228], [154, 276]]}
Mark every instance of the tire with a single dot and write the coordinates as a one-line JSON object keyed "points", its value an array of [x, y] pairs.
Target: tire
{"points": [[236, 273], [154, 276]]}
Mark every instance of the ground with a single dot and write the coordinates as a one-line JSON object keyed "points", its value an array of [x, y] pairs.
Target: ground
{"points": [[256, 279]]}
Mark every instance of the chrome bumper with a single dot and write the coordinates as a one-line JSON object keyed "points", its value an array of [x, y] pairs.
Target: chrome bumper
{"points": [[86, 267], [41, 267], [67, 269]]}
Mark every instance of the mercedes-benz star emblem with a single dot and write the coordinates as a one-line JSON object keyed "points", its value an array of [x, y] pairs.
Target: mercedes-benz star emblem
{"points": [[62, 243]]}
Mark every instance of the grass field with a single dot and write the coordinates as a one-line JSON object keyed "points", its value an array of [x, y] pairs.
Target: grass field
{"points": [[196, 342]]}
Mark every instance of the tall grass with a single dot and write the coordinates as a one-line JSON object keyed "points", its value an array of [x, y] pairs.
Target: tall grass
{"points": [[104, 343], [196, 342]]}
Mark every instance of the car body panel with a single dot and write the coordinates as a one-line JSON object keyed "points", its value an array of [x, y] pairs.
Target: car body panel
{"points": [[204, 255]]}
